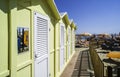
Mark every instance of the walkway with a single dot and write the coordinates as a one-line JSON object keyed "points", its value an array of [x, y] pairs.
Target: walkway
{"points": [[80, 65]]}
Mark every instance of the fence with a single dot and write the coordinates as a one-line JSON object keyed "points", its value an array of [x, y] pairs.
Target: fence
{"points": [[101, 68]]}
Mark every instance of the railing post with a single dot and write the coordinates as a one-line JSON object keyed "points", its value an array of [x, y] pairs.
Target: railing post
{"points": [[118, 72], [109, 71]]}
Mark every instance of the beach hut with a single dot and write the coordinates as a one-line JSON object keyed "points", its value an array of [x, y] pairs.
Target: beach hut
{"points": [[27, 38], [73, 28], [57, 50], [61, 54], [68, 32], [35, 39]]}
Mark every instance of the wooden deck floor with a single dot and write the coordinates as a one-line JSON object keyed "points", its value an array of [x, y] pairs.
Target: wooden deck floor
{"points": [[82, 66]]}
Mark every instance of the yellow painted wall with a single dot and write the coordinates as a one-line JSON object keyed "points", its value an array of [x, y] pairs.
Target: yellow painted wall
{"points": [[4, 38], [57, 50], [66, 42], [22, 16], [72, 38], [66, 59], [21, 64], [24, 60], [24, 72]]}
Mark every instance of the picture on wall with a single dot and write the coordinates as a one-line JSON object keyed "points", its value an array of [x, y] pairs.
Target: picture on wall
{"points": [[22, 39]]}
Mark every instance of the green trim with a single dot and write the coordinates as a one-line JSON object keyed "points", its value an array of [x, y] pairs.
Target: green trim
{"points": [[54, 9], [66, 19], [73, 26]]}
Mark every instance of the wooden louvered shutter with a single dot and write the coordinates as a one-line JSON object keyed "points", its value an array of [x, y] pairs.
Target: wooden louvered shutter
{"points": [[61, 46], [69, 41], [41, 45], [72, 40], [41, 37]]}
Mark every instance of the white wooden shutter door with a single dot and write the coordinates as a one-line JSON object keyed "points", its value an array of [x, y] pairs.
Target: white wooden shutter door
{"points": [[61, 46], [72, 40], [69, 40], [41, 45]]}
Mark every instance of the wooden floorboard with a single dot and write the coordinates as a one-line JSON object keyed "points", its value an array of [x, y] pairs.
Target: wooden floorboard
{"points": [[79, 65], [83, 63]]}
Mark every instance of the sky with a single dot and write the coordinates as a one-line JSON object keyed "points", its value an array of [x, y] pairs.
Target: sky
{"points": [[93, 16]]}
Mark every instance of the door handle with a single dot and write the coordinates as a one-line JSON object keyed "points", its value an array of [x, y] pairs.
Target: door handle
{"points": [[36, 56]]}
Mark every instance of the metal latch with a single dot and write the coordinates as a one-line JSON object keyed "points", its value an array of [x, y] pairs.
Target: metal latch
{"points": [[36, 56]]}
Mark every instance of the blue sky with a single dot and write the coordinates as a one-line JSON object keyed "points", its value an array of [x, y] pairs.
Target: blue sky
{"points": [[94, 16]]}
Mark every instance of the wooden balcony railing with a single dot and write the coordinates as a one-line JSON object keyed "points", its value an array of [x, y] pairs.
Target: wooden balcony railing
{"points": [[103, 66]]}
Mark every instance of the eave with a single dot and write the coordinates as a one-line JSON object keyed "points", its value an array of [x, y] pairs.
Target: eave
{"points": [[65, 17], [54, 9]]}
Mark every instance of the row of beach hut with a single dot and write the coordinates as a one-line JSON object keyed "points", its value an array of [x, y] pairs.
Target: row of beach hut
{"points": [[35, 39]]}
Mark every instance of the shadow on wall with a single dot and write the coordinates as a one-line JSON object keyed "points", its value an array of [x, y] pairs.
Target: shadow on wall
{"points": [[27, 3], [5, 8], [42, 3]]}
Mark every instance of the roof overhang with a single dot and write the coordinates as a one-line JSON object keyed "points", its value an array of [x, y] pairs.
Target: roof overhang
{"points": [[72, 24], [65, 17], [54, 9], [75, 27]]}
